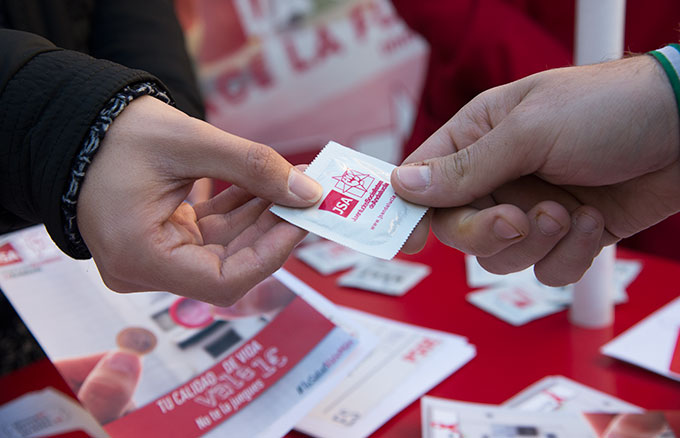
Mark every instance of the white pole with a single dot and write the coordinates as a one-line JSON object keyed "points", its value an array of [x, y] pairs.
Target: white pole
{"points": [[599, 30], [599, 37]]}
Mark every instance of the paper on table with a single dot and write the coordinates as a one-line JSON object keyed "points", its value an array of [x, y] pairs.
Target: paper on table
{"points": [[210, 381], [407, 362], [625, 271], [442, 418], [391, 277], [515, 304], [553, 393], [651, 343], [327, 257]]}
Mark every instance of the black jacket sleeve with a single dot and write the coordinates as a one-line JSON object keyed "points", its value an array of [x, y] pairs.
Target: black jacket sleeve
{"points": [[48, 100], [145, 34]]}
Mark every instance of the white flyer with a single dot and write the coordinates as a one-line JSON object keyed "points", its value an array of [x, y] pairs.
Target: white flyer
{"points": [[556, 393], [407, 362], [194, 369], [653, 343], [358, 208]]}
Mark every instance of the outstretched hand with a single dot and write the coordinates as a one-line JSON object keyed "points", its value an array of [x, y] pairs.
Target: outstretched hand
{"points": [[143, 236], [547, 170]]}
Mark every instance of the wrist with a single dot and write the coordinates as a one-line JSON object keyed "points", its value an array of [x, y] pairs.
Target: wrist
{"points": [[669, 59], [668, 72], [90, 146]]}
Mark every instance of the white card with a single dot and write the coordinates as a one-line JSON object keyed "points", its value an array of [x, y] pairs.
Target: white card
{"points": [[653, 343], [554, 393], [358, 208], [390, 277], [408, 361], [514, 304]]}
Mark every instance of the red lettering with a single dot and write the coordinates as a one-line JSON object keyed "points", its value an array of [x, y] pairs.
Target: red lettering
{"points": [[326, 45], [338, 204], [234, 85], [358, 20]]}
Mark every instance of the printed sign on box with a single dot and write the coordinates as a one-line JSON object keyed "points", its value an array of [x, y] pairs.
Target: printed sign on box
{"points": [[295, 74]]}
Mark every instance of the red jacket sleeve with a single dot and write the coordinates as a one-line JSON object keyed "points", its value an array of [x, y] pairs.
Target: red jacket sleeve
{"points": [[475, 45]]}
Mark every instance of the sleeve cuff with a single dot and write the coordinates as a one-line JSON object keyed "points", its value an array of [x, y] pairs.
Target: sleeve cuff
{"points": [[76, 245]]}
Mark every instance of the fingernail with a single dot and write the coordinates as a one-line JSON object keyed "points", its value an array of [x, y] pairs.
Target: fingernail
{"points": [[414, 177], [547, 224], [504, 230], [303, 186], [122, 362], [586, 223]]}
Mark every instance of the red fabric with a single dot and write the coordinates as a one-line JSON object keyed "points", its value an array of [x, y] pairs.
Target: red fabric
{"points": [[479, 44]]}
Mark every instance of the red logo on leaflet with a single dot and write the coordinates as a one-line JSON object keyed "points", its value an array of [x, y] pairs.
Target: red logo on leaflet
{"points": [[338, 203], [353, 182], [8, 255]]}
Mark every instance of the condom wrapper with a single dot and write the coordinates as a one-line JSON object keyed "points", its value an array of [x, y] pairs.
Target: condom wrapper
{"points": [[328, 257], [358, 208], [393, 277]]}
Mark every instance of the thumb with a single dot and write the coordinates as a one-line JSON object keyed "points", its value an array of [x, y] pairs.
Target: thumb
{"points": [[260, 170], [467, 174], [255, 167], [175, 146], [107, 391]]}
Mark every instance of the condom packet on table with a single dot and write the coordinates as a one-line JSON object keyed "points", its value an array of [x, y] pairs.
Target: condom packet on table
{"points": [[390, 277], [358, 208], [328, 257]]}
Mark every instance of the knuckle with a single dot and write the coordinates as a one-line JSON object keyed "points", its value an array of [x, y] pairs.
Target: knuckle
{"points": [[260, 160], [458, 166]]}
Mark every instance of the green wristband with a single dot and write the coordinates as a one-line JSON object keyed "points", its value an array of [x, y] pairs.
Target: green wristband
{"points": [[669, 58]]}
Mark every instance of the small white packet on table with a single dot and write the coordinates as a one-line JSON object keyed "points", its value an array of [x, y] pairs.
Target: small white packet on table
{"points": [[394, 277], [358, 208], [328, 257], [514, 304], [557, 393]]}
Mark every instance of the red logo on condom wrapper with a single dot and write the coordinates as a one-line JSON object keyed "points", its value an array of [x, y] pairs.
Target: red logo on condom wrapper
{"points": [[354, 183], [337, 203]]}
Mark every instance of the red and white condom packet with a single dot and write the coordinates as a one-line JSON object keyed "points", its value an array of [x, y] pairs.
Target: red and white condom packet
{"points": [[358, 208], [394, 277], [328, 257]]}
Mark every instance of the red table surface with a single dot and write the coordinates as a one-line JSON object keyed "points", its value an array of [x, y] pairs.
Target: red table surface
{"points": [[508, 358]]}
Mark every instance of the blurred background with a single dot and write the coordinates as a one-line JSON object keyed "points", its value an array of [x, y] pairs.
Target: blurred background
{"points": [[380, 76]]}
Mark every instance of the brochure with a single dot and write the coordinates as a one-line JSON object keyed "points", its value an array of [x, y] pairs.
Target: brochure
{"points": [[204, 371], [407, 362]]}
